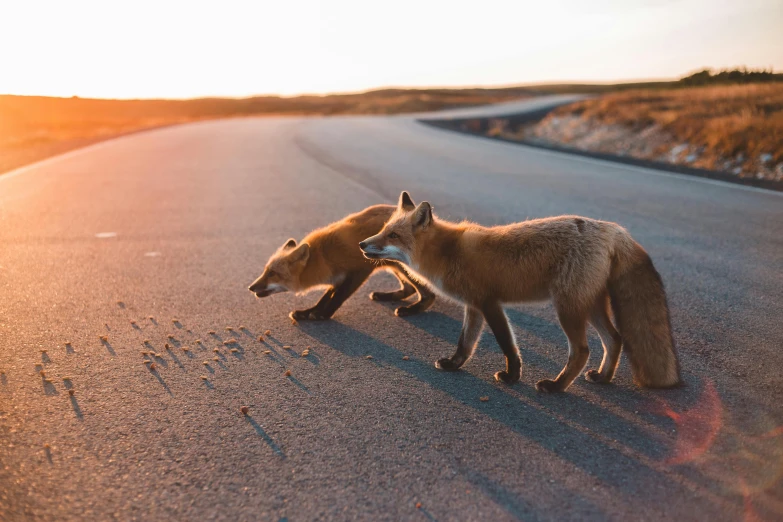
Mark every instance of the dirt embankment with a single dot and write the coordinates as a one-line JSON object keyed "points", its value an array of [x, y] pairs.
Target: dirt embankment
{"points": [[736, 129]]}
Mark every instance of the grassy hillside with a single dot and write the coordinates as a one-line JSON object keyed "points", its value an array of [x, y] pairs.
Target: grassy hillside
{"points": [[731, 128], [729, 120]]}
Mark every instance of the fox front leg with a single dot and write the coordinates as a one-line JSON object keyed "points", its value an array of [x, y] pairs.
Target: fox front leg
{"points": [[496, 318], [317, 312], [471, 331], [331, 300]]}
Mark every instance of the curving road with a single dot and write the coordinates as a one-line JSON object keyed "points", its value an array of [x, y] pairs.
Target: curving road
{"points": [[175, 223]]}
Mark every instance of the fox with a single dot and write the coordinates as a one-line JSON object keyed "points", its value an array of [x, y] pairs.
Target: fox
{"points": [[587, 268], [330, 257]]}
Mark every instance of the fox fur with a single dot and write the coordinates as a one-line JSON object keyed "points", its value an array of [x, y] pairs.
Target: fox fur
{"points": [[584, 266], [330, 257]]}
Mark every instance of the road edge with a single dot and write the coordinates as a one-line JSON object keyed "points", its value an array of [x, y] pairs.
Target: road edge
{"points": [[457, 125]]}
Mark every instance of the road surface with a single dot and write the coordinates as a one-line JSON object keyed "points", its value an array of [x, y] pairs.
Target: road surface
{"points": [[160, 233]]}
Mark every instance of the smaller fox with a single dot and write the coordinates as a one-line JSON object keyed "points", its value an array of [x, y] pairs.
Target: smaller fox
{"points": [[330, 257], [583, 265]]}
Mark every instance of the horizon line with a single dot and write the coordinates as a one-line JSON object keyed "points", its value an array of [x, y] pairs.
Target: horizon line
{"points": [[362, 91], [452, 87]]}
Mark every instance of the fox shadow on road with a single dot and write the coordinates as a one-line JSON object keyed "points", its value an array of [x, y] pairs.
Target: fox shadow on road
{"points": [[617, 450], [518, 507], [535, 335]]}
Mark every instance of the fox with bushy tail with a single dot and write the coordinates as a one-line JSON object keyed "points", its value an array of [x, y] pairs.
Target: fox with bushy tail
{"points": [[587, 268]]}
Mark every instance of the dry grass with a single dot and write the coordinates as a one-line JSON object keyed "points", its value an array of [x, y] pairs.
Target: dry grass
{"points": [[726, 121], [33, 128]]}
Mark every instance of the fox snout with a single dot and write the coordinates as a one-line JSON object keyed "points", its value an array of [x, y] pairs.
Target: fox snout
{"points": [[261, 292], [377, 248], [369, 250], [259, 288], [262, 288]]}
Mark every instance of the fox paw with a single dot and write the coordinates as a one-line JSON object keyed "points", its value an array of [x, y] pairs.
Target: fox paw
{"points": [[507, 378], [383, 296], [596, 377], [405, 311], [447, 364], [307, 315], [548, 386]]}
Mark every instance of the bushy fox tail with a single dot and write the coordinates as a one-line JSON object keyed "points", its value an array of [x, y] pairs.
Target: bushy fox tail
{"points": [[642, 316]]}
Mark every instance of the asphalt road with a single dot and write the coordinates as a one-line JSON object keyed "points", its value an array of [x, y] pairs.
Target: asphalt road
{"points": [[175, 223]]}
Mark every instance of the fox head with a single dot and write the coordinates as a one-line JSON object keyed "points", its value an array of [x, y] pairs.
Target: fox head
{"points": [[282, 271], [399, 236]]}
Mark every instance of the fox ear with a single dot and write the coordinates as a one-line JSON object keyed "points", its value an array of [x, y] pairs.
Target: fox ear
{"points": [[291, 243], [422, 216], [406, 203], [300, 253]]}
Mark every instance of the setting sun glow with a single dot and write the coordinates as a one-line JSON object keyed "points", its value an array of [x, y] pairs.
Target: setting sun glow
{"points": [[178, 49]]}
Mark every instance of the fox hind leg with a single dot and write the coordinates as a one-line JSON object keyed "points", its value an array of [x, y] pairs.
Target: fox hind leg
{"points": [[426, 298], [409, 287], [406, 291], [610, 339], [472, 326], [574, 325]]}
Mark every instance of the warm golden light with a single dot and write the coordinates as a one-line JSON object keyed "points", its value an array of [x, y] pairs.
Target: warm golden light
{"points": [[145, 48]]}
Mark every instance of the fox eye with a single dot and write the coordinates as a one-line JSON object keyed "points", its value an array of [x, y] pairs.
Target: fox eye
{"points": [[393, 235]]}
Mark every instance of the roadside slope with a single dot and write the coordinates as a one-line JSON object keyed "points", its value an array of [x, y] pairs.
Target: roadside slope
{"points": [[737, 129]]}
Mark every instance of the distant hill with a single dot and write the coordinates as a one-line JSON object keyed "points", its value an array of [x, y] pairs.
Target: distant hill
{"points": [[35, 127], [729, 77]]}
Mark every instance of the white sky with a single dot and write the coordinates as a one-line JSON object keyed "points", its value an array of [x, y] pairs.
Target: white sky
{"points": [[175, 49]]}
